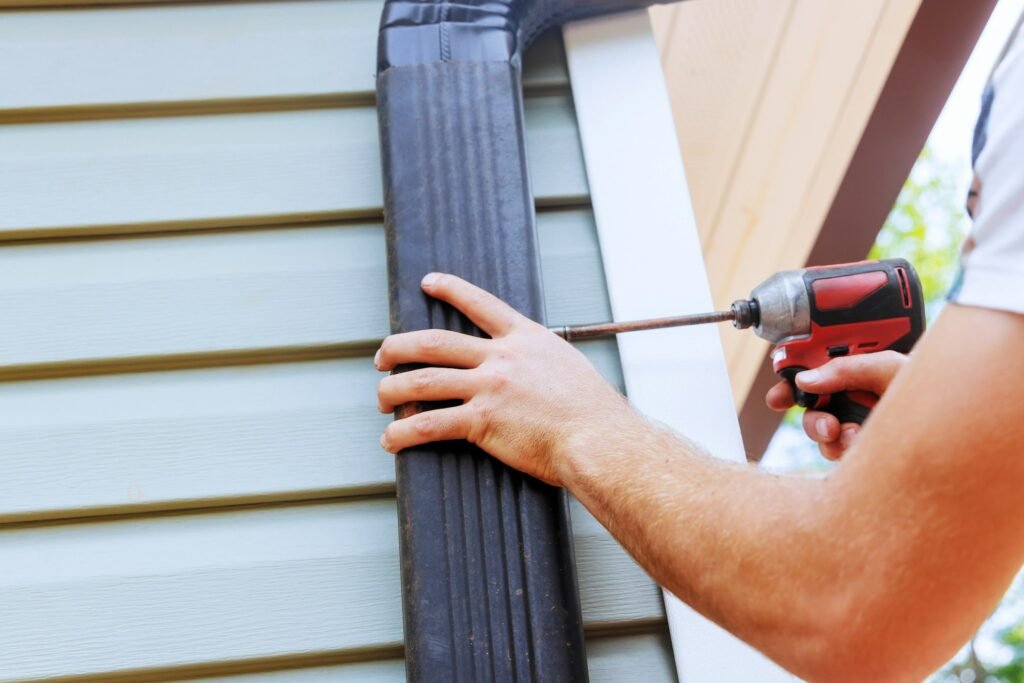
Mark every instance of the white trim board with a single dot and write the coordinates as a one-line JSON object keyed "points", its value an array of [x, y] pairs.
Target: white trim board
{"points": [[654, 267]]}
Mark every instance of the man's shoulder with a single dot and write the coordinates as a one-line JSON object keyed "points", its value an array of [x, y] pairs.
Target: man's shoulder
{"points": [[993, 273]]}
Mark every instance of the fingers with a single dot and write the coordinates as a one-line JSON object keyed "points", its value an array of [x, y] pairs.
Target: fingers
{"points": [[866, 372], [426, 384], [832, 438], [821, 427], [780, 397], [488, 312], [444, 424], [831, 451], [869, 372], [435, 347]]}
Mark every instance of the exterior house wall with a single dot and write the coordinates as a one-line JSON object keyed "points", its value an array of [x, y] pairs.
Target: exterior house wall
{"points": [[192, 283]]}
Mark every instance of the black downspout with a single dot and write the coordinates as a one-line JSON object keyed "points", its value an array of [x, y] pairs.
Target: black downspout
{"points": [[488, 572]]}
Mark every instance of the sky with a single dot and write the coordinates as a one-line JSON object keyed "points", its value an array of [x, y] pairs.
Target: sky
{"points": [[950, 139]]}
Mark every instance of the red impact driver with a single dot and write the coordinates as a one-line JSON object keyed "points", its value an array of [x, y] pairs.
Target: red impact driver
{"points": [[813, 315]]}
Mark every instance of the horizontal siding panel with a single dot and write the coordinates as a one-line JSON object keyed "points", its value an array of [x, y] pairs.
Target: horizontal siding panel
{"points": [[236, 292], [199, 438], [388, 671], [171, 439], [95, 177], [95, 58], [614, 589], [646, 658], [178, 591]]}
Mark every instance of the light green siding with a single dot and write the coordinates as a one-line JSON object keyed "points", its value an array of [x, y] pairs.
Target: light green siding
{"points": [[614, 660], [192, 279]]}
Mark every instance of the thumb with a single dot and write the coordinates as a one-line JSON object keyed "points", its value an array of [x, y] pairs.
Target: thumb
{"points": [[867, 372]]}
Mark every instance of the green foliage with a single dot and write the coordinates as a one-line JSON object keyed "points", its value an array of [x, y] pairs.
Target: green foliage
{"points": [[996, 655], [926, 226], [1012, 671]]}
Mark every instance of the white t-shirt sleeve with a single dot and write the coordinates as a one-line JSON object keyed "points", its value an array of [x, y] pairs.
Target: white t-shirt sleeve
{"points": [[993, 262]]}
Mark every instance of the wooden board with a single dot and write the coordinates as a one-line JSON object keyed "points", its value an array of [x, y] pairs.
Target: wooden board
{"points": [[105, 61], [717, 56], [180, 591], [148, 302], [770, 100], [612, 660], [149, 174]]}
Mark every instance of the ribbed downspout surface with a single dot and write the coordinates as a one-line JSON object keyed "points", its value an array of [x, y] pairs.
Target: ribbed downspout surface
{"points": [[488, 572]]}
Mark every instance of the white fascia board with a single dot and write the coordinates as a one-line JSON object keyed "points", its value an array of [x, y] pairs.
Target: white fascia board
{"points": [[654, 267]]}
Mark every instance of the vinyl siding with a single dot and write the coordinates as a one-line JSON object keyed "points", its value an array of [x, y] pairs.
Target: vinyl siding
{"points": [[192, 281]]}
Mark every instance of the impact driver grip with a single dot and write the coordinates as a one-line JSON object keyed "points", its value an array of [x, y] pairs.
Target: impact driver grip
{"points": [[849, 407]]}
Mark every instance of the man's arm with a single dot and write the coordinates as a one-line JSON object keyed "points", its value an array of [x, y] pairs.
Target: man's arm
{"points": [[878, 572]]}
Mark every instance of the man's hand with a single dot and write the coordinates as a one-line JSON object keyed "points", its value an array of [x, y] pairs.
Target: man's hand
{"points": [[871, 372], [526, 393]]}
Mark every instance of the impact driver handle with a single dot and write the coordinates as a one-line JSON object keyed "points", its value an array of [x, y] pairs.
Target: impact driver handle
{"points": [[847, 406]]}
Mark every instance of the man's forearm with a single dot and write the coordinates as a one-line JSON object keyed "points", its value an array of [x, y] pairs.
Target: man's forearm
{"points": [[745, 548]]}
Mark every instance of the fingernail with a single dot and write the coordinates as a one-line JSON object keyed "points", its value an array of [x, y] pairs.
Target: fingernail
{"points": [[821, 426], [384, 442], [846, 438], [376, 359], [809, 376], [429, 279]]}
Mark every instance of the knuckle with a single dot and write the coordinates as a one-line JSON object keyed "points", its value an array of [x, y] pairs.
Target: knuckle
{"points": [[425, 425], [892, 357], [498, 379], [844, 369], [422, 379], [431, 340], [843, 364], [386, 386], [503, 351]]}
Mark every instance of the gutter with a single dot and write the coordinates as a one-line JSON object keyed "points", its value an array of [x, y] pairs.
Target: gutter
{"points": [[488, 571]]}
